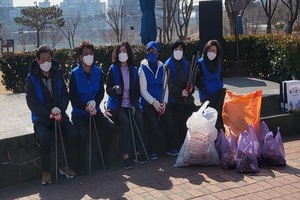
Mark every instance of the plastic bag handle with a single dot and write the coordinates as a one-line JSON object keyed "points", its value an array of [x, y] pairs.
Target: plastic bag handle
{"points": [[203, 107]]}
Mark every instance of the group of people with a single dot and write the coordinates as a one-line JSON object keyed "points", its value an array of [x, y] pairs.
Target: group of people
{"points": [[141, 100]]}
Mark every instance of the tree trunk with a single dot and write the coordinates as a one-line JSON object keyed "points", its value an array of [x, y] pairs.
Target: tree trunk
{"points": [[269, 25]]}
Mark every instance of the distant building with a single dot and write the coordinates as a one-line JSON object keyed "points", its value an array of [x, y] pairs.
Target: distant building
{"points": [[44, 4], [6, 3]]}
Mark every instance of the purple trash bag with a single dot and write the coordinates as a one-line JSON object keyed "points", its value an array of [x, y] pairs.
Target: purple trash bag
{"points": [[256, 143], [246, 160], [228, 155], [273, 149], [262, 132]]}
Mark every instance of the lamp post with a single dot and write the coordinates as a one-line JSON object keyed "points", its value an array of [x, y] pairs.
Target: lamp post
{"points": [[238, 65], [1, 40]]}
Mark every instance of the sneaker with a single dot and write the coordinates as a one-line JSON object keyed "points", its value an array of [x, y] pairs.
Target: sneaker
{"points": [[66, 171], [153, 156], [46, 178], [141, 159], [172, 152], [127, 163]]}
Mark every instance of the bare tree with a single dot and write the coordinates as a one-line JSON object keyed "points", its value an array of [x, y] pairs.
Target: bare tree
{"points": [[116, 18], [293, 7], [269, 7], [69, 29], [183, 15], [24, 39], [169, 8], [231, 14]]}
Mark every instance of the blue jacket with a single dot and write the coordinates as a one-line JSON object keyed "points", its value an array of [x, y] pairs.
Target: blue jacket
{"points": [[212, 82], [87, 89]]}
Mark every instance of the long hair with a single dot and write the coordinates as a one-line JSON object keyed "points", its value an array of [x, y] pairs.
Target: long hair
{"points": [[115, 58], [212, 43]]}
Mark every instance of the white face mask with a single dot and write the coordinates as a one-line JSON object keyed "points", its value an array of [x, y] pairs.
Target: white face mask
{"points": [[46, 66], [211, 55], [178, 54], [123, 57], [88, 59]]}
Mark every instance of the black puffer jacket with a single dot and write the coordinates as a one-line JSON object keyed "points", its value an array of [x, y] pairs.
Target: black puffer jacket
{"points": [[43, 111]]}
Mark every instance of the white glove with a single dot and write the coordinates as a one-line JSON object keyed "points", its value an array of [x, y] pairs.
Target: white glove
{"points": [[91, 107], [119, 89], [56, 117], [55, 111], [184, 93]]}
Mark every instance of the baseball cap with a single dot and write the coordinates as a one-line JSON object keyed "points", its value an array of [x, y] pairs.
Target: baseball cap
{"points": [[153, 45]]}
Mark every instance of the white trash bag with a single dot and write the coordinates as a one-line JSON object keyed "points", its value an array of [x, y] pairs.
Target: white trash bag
{"points": [[199, 144]]}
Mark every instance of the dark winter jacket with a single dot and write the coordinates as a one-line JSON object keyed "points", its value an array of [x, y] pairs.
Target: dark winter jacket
{"points": [[38, 97], [179, 72], [114, 78]]}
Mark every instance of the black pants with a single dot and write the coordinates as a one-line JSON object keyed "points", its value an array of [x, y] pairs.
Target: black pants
{"points": [[125, 132], [106, 131], [182, 113], [45, 135], [216, 101], [152, 130]]}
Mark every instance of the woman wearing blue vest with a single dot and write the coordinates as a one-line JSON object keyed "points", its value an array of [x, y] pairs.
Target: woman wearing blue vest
{"points": [[154, 98], [86, 94], [123, 91], [209, 79], [47, 97], [181, 99]]}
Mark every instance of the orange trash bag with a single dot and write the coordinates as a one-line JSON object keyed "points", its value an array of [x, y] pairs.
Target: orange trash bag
{"points": [[241, 110]]}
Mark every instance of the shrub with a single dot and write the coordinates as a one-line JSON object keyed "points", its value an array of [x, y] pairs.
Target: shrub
{"points": [[270, 57]]}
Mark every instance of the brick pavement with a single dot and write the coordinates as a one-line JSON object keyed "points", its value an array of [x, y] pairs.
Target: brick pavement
{"points": [[160, 180]]}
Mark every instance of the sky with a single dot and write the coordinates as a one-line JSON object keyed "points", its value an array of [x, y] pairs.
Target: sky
{"points": [[31, 2]]}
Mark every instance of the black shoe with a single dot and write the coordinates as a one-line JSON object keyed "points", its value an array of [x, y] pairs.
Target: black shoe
{"points": [[127, 163], [141, 159]]}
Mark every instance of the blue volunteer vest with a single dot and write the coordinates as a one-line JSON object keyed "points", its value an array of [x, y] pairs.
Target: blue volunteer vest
{"points": [[154, 85], [39, 93], [113, 101], [87, 89], [212, 82]]}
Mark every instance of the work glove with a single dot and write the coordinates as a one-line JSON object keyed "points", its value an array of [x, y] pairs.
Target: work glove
{"points": [[55, 111], [132, 110], [56, 114], [119, 89], [184, 93], [158, 106], [91, 107]]}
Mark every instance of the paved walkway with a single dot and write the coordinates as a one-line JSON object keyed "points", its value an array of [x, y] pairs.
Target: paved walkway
{"points": [[160, 180]]}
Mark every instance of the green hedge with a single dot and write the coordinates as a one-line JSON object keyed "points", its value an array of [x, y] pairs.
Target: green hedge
{"points": [[270, 57]]}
